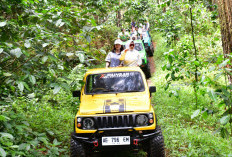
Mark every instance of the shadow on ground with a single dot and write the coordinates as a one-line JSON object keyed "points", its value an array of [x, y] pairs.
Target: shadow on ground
{"points": [[119, 153]]}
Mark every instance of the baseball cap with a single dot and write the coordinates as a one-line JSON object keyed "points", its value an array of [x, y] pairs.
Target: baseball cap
{"points": [[118, 41]]}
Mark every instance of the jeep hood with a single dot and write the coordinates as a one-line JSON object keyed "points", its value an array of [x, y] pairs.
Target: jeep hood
{"points": [[97, 104]]}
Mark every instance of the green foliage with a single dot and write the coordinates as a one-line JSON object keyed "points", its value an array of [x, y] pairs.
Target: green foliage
{"points": [[182, 65], [45, 47], [136, 11], [17, 138], [187, 131]]}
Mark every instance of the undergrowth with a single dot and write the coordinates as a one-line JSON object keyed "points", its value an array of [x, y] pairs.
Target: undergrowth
{"points": [[183, 135]]}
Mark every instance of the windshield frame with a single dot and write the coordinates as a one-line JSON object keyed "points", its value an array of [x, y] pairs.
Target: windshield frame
{"points": [[141, 46], [113, 92]]}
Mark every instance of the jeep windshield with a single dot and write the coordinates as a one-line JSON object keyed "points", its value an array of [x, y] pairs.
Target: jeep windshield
{"points": [[114, 82], [138, 46]]}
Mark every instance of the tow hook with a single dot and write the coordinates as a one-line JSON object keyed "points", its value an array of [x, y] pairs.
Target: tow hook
{"points": [[95, 143], [136, 141]]}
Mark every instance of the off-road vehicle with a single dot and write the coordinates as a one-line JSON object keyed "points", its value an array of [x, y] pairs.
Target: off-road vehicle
{"points": [[115, 113]]}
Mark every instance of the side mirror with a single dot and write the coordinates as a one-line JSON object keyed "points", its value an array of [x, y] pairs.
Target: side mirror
{"points": [[152, 89], [76, 93]]}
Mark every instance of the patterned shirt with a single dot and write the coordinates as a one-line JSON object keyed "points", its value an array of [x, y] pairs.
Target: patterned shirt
{"points": [[113, 58]]}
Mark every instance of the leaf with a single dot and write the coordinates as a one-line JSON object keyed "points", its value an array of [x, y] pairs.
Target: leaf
{"points": [[21, 86], [196, 63], [56, 143], [26, 85], [7, 74], [45, 44], [205, 114], [195, 114], [224, 132], [103, 51], [44, 59], [212, 95], [31, 96], [81, 56], [2, 152], [22, 146], [16, 52], [2, 24], [43, 139], [212, 68], [58, 22], [32, 79], [49, 132], [7, 135], [56, 89], [1, 50], [88, 38], [224, 63], [69, 54], [27, 44], [26, 123], [224, 120], [14, 146], [218, 76], [3, 118], [167, 76]]}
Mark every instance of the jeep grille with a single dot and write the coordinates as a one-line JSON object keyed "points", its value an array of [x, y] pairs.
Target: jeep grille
{"points": [[115, 121]]}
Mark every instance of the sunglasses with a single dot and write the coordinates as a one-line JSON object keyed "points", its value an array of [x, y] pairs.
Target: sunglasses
{"points": [[132, 45]]}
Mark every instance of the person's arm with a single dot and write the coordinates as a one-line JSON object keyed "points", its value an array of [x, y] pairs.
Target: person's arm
{"points": [[108, 60], [107, 64]]}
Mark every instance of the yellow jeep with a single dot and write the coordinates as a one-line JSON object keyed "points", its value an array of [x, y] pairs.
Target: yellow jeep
{"points": [[115, 112]]}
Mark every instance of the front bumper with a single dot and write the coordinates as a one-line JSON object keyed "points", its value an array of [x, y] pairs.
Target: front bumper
{"points": [[94, 141]]}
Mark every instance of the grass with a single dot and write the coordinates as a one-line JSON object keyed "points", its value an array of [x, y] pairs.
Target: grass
{"points": [[185, 136]]}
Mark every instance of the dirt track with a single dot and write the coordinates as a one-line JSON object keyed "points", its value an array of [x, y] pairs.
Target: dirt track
{"points": [[152, 66]]}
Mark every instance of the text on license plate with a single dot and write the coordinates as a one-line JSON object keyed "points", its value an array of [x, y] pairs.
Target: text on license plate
{"points": [[115, 140]]}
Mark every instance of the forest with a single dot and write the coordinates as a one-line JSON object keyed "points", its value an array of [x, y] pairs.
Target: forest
{"points": [[46, 46]]}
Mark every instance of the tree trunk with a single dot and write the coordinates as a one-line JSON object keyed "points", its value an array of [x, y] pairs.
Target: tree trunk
{"points": [[225, 14], [118, 16]]}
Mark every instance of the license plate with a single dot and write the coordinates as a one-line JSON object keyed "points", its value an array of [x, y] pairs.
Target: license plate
{"points": [[115, 140]]}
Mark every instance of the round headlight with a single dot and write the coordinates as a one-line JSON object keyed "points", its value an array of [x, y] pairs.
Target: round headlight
{"points": [[150, 115], [142, 120], [88, 123], [78, 120]]}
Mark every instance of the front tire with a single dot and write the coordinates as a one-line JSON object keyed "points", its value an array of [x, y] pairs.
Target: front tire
{"points": [[156, 147], [76, 149]]}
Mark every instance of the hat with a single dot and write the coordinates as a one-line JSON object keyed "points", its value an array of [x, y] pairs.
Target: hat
{"points": [[118, 41]]}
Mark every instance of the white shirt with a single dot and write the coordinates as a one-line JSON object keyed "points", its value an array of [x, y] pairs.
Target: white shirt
{"points": [[132, 58]]}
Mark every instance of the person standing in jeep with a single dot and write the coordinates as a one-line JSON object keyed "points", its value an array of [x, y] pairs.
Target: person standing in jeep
{"points": [[112, 59], [130, 57]]}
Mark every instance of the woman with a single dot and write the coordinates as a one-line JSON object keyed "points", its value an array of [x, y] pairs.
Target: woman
{"points": [[130, 56], [112, 59]]}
